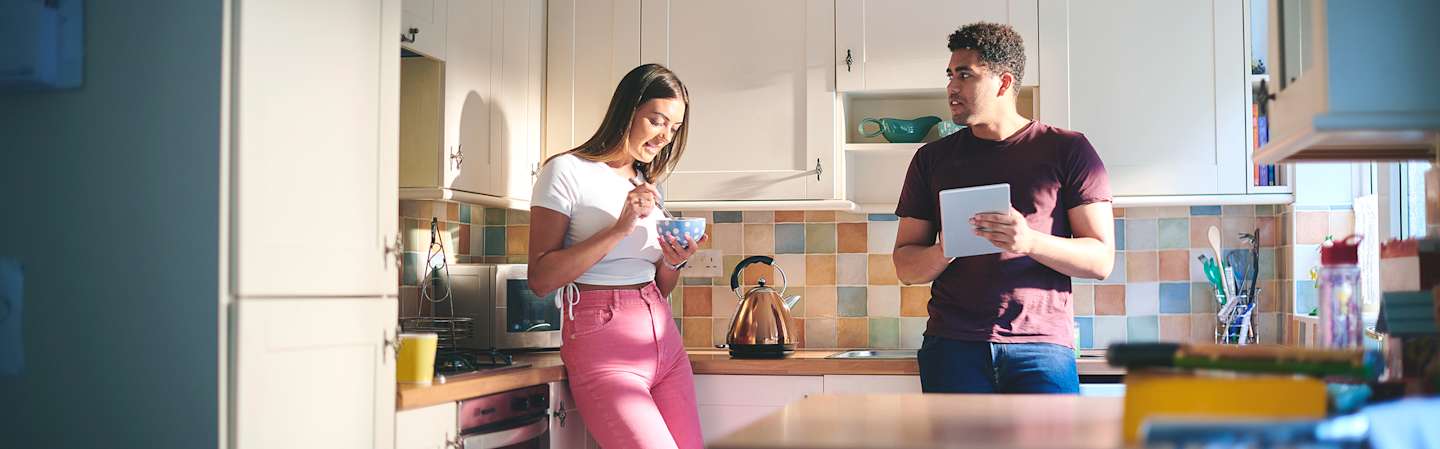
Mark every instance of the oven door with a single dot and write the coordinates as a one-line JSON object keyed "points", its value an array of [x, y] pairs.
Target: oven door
{"points": [[532, 435], [523, 320]]}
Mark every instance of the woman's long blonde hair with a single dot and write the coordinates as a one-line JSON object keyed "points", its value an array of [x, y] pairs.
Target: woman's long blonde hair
{"points": [[643, 83]]}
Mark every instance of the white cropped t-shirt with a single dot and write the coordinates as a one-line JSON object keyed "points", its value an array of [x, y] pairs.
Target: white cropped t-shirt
{"points": [[592, 195]]}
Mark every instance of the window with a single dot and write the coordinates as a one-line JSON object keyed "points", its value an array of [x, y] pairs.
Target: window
{"points": [[1403, 202]]}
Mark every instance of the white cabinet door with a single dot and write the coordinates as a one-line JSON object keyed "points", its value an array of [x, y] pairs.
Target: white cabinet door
{"points": [[730, 402], [567, 428], [519, 96], [590, 45], [902, 44], [315, 133], [1159, 88], [762, 96], [872, 384], [313, 373], [427, 19], [469, 156], [494, 82], [431, 427]]}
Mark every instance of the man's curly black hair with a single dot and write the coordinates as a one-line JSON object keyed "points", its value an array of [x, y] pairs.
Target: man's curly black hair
{"points": [[1000, 47]]}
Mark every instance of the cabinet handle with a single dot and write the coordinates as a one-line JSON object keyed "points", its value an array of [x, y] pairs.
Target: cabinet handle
{"points": [[456, 442], [409, 38], [395, 252], [849, 60], [560, 412], [392, 344], [818, 169], [458, 157]]}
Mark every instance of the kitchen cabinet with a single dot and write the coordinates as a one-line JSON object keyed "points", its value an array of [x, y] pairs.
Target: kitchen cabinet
{"points": [[762, 96], [433, 427], [313, 143], [871, 384], [591, 44], [887, 45], [472, 124], [567, 428], [1322, 50], [427, 20], [1159, 88], [313, 373], [729, 402]]}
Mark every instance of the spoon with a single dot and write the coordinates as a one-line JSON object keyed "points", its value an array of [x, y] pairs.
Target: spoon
{"points": [[1220, 258], [659, 202]]}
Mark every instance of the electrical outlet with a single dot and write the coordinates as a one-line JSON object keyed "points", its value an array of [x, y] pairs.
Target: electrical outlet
{"points": [[704, 264]]}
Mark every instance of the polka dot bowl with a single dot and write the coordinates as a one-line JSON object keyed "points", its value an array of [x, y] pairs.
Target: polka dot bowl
{"points": [[694, 227]]}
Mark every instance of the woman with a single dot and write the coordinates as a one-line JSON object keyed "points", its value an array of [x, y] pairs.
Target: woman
{"points": [[593, 237]]}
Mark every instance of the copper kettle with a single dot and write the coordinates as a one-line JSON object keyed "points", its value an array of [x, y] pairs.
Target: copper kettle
{"points": [[762, 327]]}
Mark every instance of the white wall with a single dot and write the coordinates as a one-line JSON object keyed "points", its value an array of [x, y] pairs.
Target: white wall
{"points": [[109, 196]]}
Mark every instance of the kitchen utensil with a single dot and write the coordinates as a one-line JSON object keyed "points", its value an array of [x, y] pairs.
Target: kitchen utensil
{"points": [[693, 227], [1239, 261], [415, 364], [659, 202], [900, 131], [761, 327], [1214, 235], [1212, 272], [1254, 240]]}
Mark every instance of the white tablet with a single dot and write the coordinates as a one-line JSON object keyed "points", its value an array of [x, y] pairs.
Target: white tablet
{"points": [[956, 208]]}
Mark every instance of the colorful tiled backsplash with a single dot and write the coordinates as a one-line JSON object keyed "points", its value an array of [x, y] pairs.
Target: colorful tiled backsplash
{"points": [[840, 265]]}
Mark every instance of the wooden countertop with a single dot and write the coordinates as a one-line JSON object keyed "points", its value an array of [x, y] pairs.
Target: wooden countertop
{"points": [[815, 363], [917, 421], [546, 367]]}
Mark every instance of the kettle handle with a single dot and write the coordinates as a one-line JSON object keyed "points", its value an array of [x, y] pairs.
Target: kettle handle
{"points": [[767, 260]]}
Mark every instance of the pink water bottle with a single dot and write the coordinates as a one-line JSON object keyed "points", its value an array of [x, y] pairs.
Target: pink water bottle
{"points": [[1341, 325]]}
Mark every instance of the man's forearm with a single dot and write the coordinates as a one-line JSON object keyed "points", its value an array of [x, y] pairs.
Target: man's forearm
{"points": [[918, 264], [1082, 257]]}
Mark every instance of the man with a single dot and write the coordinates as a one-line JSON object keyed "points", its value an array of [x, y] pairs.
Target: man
{"points": [[1003, 322]]}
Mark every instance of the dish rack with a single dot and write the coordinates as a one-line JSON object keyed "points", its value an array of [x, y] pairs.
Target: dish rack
{"points": [[436, 293]]}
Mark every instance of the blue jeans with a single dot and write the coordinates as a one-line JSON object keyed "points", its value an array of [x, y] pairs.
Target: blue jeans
{"points": [[954, 366]]}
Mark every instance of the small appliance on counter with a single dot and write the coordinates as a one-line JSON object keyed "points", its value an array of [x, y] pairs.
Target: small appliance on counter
{"points": [[761, 326], [508, 316]]}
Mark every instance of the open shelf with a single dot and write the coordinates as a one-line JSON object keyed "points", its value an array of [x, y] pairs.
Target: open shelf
{"points": [[883, 147]]}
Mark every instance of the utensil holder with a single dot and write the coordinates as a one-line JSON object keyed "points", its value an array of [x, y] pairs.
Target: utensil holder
{"points": [[1235, 323]]}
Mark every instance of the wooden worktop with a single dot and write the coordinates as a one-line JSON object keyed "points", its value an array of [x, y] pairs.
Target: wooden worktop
{"points": [[815, 363], [916, 421], [546, 367]]}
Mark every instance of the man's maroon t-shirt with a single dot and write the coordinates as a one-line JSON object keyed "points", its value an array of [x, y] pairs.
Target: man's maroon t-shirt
{"points": [[1006, 297]]}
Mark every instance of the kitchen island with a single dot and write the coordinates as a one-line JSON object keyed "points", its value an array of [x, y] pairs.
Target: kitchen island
{"points": [[914, 421]]}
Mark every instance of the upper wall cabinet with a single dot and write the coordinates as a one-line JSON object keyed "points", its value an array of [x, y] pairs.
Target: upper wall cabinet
{"points": [[591, 44], [1160, 90], [471, 127], [422, 27], [882, 45], [315, 122], [1352, 80], [762, 97]]}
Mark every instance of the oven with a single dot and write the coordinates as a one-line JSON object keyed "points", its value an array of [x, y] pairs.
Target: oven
{"points": [[506, 313], [515, 419]]}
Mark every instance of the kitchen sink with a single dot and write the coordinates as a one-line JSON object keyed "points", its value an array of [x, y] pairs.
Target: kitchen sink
{"points": [[875, 354]]}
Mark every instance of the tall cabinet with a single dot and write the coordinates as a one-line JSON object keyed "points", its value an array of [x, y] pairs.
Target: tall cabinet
{"points": [[311, 210]]}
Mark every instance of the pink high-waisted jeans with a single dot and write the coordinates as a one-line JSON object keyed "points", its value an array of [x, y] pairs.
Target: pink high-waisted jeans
{"points": [[629, 372]]}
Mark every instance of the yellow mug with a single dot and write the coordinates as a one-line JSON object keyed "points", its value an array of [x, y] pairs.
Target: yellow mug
{"points": [[417, 358]]}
